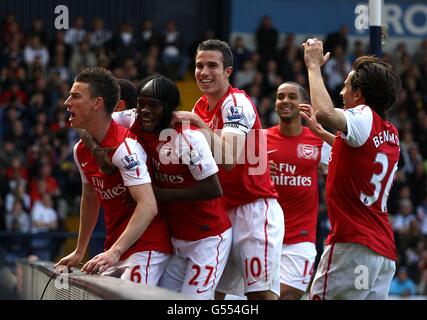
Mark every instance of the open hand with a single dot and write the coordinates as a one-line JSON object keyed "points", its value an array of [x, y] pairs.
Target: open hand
{"points": [[313, 53], [101, 262]]}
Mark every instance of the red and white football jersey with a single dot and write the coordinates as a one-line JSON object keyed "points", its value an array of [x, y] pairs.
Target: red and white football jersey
{"points": [[179, 161], [361, 172], [297, 159], [236, 113], [112, 190]]}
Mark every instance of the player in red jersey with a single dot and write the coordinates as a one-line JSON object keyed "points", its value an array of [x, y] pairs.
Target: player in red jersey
{"points": [[297, 153], [359, 259], [137, 245], [127, 100], [186, 187], [249, 195]]}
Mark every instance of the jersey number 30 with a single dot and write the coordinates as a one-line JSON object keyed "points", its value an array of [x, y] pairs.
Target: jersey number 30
{"points": [[377, 180]]}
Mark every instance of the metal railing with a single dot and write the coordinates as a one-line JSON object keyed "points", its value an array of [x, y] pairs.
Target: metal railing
{"points": [[36, 280]]}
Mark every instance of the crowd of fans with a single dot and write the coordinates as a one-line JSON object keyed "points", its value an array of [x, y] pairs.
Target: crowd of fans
{"points": [[40, 185]]}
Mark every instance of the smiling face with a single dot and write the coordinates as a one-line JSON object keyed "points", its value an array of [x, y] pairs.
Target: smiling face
{"points": [[150, 111], [287, 102], [80, 105], [210, 74]]}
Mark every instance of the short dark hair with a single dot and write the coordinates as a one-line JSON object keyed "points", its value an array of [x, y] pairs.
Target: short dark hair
{"points": [[377, 81], [103, 84], [218, 45], [303, 93], [128, 93]]}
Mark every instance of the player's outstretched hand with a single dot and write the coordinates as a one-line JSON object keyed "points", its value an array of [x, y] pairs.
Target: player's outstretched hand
{"points": [[72, 260], [181, 117], [100, 154], [307, 113], [102, 159], [313, 53], [101, 262]]}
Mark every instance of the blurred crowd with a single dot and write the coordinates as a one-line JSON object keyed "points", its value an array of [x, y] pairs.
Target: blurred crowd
{"points": [[40, 186]]}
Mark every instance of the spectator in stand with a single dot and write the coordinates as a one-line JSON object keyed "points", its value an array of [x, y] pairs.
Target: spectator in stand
{"points": [[267, 38], [76, 34], [36, 49], [44, 218], [402, 285], [82, 57], [45, 183], [17, 220], [37, 29], [172, 54], [100, 36], [336, 70], [124, 45], [18, 194], [147, 37], [338, 38], [422, 216], [240, 53]]}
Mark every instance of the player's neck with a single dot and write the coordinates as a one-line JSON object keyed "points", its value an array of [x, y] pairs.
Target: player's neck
{"points": [[293, 128], [215, 97], [99, 128]]}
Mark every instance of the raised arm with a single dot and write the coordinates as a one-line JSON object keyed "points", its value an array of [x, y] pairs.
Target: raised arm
{"points": [[227, 158], [322, 104]]}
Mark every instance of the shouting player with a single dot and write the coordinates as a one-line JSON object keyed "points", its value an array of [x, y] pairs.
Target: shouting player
{"points": [[137, 245]]}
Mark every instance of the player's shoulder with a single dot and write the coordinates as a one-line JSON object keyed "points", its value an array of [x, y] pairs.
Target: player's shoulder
{"points": [[361, 109], [200, 104], [125, 113], [80, 148], [237, 97]]}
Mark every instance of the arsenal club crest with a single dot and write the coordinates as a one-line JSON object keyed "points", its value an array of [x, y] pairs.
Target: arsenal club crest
{"points": [[307, 151]]}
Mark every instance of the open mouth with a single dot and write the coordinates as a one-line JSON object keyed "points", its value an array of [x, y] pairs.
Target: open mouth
{"points": [[72, 114], [146, 121], [285, 110], [205, 81]]}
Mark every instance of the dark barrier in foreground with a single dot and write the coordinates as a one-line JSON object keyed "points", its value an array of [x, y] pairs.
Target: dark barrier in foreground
{"points": [[37, 281]]}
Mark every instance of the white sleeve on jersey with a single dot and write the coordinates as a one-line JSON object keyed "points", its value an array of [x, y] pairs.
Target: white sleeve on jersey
{"points": [[130, 158], [125, 118], [79, 166], [324, 157], [359, 125], [238, 114], [192, 147]]}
